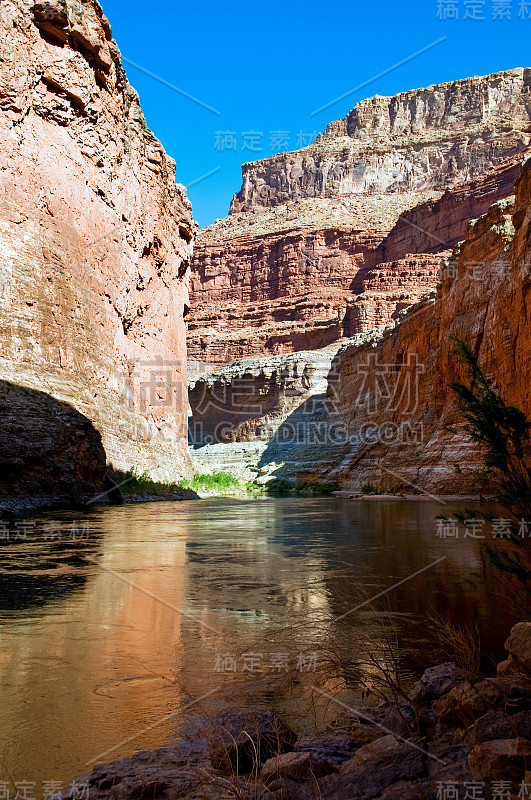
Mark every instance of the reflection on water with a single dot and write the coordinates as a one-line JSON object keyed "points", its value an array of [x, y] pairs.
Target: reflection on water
{"points": [[90, 658]]}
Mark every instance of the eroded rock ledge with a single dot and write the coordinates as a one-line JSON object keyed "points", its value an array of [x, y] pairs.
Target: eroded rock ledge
{"points": [[237, 410], [454, 730]]}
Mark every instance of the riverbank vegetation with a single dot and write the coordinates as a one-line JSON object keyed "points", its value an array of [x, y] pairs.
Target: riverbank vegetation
{"points": [[503, 432], [218, 482]]}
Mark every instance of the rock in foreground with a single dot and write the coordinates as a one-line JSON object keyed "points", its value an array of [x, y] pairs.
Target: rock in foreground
{"points": [[356, 759]]}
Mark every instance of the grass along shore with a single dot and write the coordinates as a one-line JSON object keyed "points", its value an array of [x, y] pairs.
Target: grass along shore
{"points": [[139, 486]]}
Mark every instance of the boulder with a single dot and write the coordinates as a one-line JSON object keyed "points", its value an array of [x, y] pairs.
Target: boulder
{"points": [[518, 644], [242, 739], [501, 759], [374, 768], [497, 724], [298, 767], [466, 702], [335, 749], [359, 723], [517, 667], [511, 671], [399, 720], [404, 790], [437, 681], [174, 771], [286, 789]]}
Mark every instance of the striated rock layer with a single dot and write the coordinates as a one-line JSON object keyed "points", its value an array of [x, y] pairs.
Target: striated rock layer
{"points": [[389, 418], [427, 138], [95, 236], [338, 238], [392, 394], [238, 410]]}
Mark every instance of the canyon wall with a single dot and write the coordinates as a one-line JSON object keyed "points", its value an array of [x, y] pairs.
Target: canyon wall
{"points": [[338, 238], [388, 417], [95, 237], [238, 410], [422, 139], [400, 435]]}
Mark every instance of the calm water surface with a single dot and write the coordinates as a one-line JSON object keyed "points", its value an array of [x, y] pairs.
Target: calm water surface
{"points": [[105, 641]]}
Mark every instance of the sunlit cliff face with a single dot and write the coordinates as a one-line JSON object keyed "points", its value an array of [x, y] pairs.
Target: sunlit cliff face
{"points": [[339, 237], [95, 237]]}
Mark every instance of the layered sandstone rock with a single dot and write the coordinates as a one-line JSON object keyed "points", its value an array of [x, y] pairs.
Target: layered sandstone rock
{"points": [[237, 410], [389, 418], [427, 138], [338, 238], [393, 394], [95, 236], [289, 278]]}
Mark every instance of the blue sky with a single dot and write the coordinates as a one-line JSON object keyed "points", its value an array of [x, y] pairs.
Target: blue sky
{"points": [[265, 68]]}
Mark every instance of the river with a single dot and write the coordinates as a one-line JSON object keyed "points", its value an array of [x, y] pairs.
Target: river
{"points": [[116, 624]]}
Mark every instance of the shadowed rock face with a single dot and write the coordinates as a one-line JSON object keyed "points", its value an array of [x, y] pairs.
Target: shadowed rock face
{"points": [[333, 240], [250, 398], [50, 454], [239, 409], [95, 236]]}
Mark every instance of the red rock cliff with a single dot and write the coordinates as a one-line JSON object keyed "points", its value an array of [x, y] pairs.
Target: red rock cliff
{"points": [[404, 442], [338, 238], [95, 236], [388, 417]]}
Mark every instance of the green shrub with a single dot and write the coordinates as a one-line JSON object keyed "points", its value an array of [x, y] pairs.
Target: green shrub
{"points": [[218, 481], [503, 432], [279, 487], [368, 488], [215, 481], [501, 429], [316, 488]]}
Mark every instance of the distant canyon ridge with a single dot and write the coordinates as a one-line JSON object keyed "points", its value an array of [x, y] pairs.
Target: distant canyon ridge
{"points": [[337, 238]]}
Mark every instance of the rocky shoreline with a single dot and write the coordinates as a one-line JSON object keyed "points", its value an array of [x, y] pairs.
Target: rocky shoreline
{"points": [[31, 505], [23, 507], [457, 733]]}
